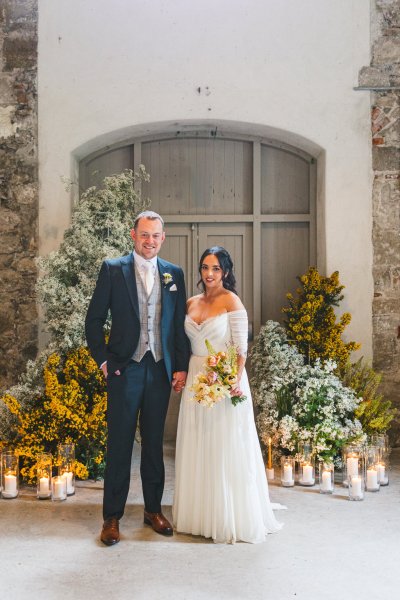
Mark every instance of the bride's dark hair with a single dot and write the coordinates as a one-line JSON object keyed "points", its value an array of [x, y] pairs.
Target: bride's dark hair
{"points": [[226, 264]]}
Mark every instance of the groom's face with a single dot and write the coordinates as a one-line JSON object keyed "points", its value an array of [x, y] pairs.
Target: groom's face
{"points": [[148, 237]]}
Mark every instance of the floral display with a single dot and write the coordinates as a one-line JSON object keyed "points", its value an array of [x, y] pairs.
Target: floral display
{"points": [[311, 319], [299, 402], [61, 395], [71, 408], [218, 378]]}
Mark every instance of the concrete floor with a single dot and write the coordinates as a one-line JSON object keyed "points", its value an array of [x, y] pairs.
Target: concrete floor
{"points": [[330, 548]]}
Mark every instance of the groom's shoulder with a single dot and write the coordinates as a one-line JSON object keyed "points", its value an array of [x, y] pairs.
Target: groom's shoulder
{"points": [[118, 261], [169, 265]]}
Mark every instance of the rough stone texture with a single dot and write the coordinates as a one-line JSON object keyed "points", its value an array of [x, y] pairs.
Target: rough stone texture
{"points": [[384, 72], [18, 186]]}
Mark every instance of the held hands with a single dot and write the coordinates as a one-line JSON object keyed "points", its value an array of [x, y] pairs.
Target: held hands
{"points": [[105, 372], [179, 380]]}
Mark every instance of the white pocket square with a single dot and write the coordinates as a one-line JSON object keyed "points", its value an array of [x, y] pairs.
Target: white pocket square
{"points": [[173, 288]]}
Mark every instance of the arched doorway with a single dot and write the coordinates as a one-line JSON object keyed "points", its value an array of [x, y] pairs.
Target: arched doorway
{"points": [[255, 196]]}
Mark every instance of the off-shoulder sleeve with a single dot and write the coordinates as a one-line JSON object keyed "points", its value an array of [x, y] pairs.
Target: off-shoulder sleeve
{"points": [[239, 329]]}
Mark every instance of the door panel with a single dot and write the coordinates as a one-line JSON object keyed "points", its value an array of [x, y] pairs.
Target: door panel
{"points": [[238, 240]]}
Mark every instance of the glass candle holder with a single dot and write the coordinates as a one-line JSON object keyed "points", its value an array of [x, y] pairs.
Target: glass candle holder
{"points": [[352, 458], [372, 455], [66, 460], [306, 474], [326, 473], [287, 471], [356, 486], [44, 467], [305, 450], [58, 488], [382, 468], [381, 440], [10, 474]]}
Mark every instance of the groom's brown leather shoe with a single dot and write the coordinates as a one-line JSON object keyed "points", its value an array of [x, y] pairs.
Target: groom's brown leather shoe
{"points": [[110, 532], [158, 522]]}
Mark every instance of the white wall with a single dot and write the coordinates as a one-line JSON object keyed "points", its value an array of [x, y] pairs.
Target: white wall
{"points": [[286, 68]]}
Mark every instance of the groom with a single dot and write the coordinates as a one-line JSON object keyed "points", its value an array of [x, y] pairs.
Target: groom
{"points": [[147, 351]]}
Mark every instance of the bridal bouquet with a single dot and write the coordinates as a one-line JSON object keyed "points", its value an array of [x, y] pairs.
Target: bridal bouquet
{"points": [[219, 378]]}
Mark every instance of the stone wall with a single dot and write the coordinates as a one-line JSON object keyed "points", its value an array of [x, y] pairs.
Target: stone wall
{"points": [[382, 77], [18, 186]]}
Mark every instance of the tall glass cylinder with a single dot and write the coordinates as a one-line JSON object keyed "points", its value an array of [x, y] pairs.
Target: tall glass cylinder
{"points": [[306, 474], [326, 473], [372, 455], [352, 459], [287, 471], [66, 460], [44, 467], [10, 474], [382, 442]]}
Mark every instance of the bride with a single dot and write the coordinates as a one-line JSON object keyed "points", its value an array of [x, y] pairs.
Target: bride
{"points": [[221, 490]]}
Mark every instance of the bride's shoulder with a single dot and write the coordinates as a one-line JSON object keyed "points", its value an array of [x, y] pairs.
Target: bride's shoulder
{"points": [[233, 302], [193, 300]]}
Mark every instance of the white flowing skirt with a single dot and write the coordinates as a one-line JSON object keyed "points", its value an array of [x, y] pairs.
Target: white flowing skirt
{"points": [[221, 490]]}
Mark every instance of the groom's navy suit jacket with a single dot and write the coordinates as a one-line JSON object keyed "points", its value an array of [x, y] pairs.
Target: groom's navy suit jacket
{"points": [[116, 291]]}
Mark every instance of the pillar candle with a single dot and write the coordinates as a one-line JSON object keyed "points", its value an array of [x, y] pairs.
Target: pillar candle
{"points": [[380, 467], [44, 486], [58, 488], [287, 473], [307, 474], [372, 479], [355, 489], [352, 466], [70, 486], [10, 485], [326, 482]]}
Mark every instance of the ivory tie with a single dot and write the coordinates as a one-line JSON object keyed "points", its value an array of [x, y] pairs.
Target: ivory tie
{"points": [[148, 277]]}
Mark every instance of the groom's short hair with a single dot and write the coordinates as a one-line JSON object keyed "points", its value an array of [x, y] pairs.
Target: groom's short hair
{"points": [[148, 214]]}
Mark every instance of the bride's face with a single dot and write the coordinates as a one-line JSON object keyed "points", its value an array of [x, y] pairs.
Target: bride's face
{"points": [[211, 272]]}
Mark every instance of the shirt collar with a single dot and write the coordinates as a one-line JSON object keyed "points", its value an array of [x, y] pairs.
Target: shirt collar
{"points": [[140, 261]]}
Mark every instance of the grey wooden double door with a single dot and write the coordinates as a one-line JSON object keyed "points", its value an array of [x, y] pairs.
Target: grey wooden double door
{"points": [[252, 196]]}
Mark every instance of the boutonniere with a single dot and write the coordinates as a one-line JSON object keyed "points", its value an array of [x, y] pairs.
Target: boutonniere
{"points": [[167, 278]]}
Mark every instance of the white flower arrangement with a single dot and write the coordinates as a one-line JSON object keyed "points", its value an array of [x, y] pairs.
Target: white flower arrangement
{"points": [[298, 402]]}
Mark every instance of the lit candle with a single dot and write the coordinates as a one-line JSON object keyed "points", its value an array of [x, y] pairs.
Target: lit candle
{"points": [[355, 489], [287, 473], [372, 479], [70, 486], [352, 466], [307, 474], [58, 488], [326, 483], [380, 467], [10, 486], [269, 454], [44, 487]]}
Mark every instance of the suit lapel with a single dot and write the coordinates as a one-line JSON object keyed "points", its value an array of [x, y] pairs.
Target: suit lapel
{"points": [[128, 270], [162, 268]]}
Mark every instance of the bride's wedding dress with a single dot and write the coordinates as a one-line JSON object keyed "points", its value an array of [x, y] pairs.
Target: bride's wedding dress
{"points": [[221, 490]]}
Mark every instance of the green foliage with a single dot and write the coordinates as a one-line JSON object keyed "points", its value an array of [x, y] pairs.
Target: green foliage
{"points": [[50, 404], [311, 320], [100, 228], [374, 413]]}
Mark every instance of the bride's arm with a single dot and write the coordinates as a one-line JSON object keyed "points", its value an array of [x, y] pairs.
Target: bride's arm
{"points": [[239, 330]]}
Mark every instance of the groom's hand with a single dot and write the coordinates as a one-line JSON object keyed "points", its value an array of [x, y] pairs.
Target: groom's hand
{"points": [[105, 371], [179, 380]]}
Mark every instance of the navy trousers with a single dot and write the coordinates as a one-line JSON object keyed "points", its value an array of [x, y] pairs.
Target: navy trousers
{"points": [[142, 390]]}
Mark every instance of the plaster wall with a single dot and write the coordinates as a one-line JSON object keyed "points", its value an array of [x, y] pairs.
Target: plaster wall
{"points": [[287, 69]]}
